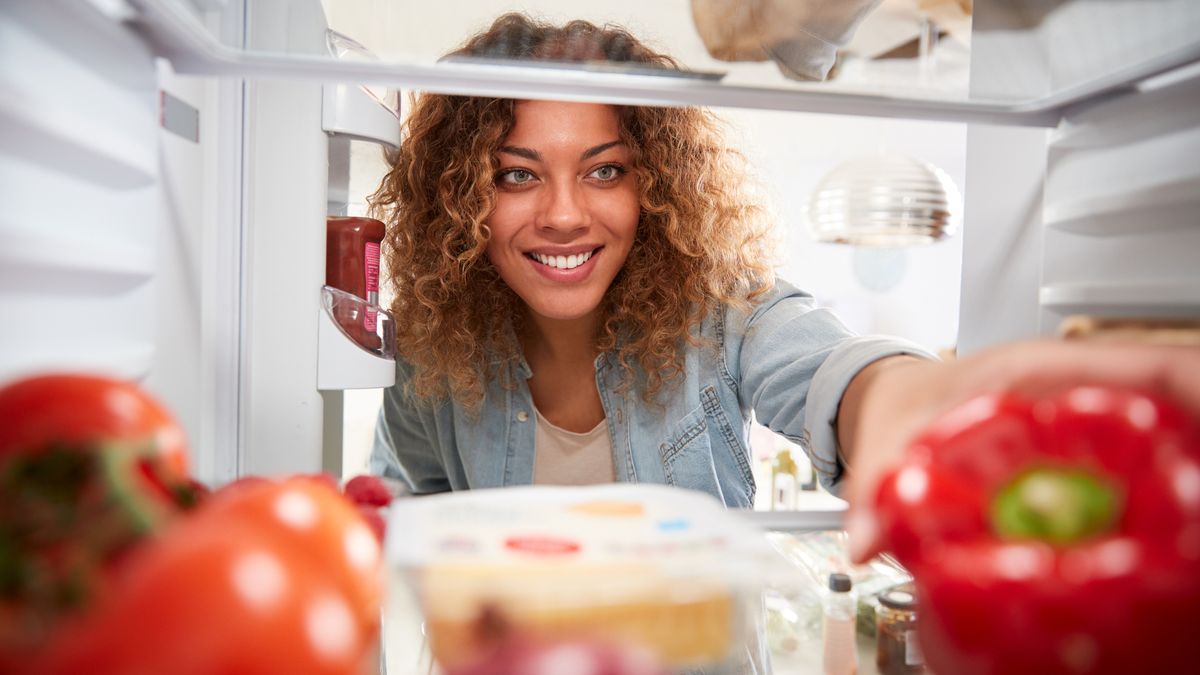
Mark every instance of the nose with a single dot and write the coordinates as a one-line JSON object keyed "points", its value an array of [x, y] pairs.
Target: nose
{"points": [[564, 208]]}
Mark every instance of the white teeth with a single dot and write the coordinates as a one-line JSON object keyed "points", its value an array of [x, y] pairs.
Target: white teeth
{"points": [[568, 262]]}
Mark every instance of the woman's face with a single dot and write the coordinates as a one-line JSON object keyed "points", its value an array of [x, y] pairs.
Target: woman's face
{"points": [[566, 207]]}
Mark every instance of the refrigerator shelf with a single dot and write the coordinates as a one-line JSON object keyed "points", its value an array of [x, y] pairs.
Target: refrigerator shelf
{"points": [[1140, 299], [75, 103], [1145, 209], [178, 36], [1122, 119], [29, 261], [812, 520], [132, 360], [82, 149]]}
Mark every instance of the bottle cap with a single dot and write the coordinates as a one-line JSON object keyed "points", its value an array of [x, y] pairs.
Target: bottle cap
{"points": [[839, 583], [899, 597]]}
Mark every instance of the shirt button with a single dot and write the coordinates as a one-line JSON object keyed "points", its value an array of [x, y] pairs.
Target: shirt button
{"points": [[522, 416]]}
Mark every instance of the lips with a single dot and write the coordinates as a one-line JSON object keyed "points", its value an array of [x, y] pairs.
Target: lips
{"points": [[564, 266], [563, 260]]}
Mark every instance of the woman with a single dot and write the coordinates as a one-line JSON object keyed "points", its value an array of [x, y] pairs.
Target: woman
{"points": [[583, 297]]}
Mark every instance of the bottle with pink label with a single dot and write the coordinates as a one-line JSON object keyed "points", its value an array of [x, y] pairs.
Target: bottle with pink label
{"points": [[352, 247]]}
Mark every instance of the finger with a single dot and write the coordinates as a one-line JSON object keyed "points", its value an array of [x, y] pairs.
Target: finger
{"points": [[898, 408], [862, 529], [1171, 371]]}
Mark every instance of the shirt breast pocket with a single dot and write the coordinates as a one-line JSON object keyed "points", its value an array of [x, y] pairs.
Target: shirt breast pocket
{"points": [[687, 455]]}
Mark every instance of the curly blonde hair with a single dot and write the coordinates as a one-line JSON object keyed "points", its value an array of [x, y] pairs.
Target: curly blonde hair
{"points": [[701, 240]]}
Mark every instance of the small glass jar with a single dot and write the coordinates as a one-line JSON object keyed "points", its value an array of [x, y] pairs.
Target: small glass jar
{"points": [[897, 651]]}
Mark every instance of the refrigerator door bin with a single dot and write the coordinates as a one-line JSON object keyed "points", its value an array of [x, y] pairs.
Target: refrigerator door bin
{"points": [[356, 345], [353, 112]]}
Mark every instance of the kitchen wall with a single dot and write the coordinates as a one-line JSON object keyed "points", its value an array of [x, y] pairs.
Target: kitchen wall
{"points": [[913, 292]]}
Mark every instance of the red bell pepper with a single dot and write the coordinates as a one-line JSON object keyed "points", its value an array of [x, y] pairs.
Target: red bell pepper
{"points": [[1053, 534]]}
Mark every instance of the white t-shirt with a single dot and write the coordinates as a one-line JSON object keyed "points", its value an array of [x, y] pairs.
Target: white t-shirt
{"points": [[564, 457]]}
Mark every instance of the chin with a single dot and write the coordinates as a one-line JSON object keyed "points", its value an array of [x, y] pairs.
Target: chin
{"points": [[564, 309], [565, 314]]}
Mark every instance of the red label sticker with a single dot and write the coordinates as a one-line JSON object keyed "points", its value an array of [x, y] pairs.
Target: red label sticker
{"points": [[542, 545]]}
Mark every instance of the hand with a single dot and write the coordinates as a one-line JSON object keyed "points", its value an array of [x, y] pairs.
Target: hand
{"points": [[903, 399]]}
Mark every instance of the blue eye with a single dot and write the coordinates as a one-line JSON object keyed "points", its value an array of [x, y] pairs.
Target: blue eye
{"points": [[516, 176], [608, 172]]}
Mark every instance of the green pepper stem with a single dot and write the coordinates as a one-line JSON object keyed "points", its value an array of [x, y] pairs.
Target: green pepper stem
{"points": [[1055, 505]]}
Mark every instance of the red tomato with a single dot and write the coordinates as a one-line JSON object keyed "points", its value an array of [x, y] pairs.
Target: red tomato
{"points": [[307, 514], [89, 467], [264, 577], [217, 596], [37, 411]]}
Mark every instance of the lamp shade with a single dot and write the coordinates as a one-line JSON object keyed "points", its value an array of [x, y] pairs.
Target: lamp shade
{"points": [[884, 200]]}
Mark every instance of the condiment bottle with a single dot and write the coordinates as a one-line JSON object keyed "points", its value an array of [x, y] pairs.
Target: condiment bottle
{"points": [[783, 481], [352, 265], [897, 651], [840, 613]]}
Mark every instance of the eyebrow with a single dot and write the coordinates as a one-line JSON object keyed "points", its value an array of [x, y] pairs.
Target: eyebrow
{"points": [[535, 156], [592, 152]]}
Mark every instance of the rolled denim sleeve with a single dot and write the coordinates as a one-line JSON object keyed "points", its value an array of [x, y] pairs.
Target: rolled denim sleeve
{"points": [[405, 440], [794, 361], [829, 384]]}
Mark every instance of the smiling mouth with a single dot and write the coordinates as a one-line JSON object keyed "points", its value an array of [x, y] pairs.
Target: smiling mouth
{"points": [[563, 262]]}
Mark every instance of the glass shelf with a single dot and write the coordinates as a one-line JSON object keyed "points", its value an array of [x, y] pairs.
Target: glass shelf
{"points": [[1144, 299], [1042, 59]]}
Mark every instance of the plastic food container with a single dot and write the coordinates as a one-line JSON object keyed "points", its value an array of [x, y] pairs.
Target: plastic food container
{"points": [[663, 569]]}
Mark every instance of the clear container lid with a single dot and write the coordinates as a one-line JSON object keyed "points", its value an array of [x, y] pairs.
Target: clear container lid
{"points": [[669, 570], [669, 532]]}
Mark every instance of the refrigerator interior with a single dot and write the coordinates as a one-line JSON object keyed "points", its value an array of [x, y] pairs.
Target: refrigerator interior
{"points": [[166, 167]]}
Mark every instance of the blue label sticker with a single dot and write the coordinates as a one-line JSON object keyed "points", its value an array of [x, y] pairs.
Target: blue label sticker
{"points": [[673, 525]]}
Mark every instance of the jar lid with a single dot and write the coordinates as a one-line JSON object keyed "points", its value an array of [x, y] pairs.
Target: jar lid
{"points": [[839, 583], [899, 597]]}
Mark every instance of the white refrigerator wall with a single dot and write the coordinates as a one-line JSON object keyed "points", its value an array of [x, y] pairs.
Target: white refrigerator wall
{"points": [[80, 186], [118, 248], [1121, 198], [1096, 217], [191, 263], [100, 237]]}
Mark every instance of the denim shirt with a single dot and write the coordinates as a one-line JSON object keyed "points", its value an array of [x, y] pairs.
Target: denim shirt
{"points": [[783, 359]]}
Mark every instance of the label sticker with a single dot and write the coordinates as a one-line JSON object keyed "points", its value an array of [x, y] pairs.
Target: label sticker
{"points": [[542, 545], [912, 650], [371, 256]]}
